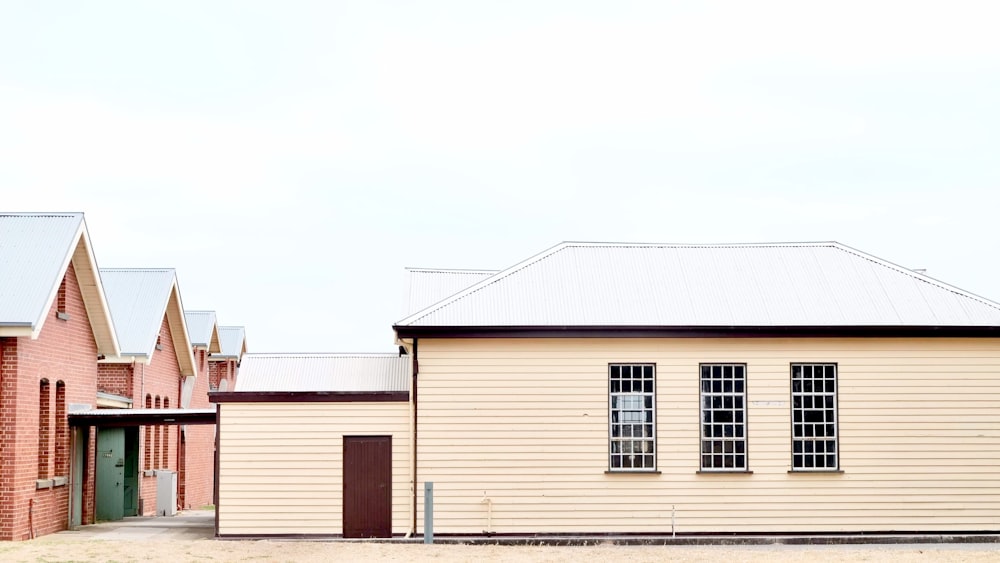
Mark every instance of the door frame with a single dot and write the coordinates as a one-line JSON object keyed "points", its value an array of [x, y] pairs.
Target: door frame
{"points": [[383, 527], [109, 502]]}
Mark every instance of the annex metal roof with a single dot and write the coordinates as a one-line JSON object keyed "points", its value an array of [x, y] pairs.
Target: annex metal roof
{"points": [[36, 250], [139, 299], [203, 329], [232, 341], [426, 286], [323, 372], [738, 285]]}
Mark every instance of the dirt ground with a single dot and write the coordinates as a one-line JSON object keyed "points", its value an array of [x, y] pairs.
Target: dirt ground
{"points": [[57, 548]]}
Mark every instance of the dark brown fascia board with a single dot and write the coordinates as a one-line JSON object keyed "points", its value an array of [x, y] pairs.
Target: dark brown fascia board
{"points": [[309, 396], [695, 331]]}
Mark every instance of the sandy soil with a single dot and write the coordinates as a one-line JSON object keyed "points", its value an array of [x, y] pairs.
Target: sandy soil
{"points": [[54, 548]]}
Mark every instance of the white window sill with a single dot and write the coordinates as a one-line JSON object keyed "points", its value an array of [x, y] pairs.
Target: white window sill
{"points": [[51, 483]]}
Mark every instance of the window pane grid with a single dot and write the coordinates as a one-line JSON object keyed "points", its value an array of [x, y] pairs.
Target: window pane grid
{"points": [[723, 417], [632, 420], [814, 417]]}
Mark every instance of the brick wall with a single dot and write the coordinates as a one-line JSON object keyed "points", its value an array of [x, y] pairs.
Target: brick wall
{"points": [[65, 352], [117, 380], [198, 467], [161, 378], [222, 370]]}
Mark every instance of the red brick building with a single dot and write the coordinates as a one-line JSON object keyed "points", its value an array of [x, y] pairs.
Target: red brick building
{"points": [[54, 325], [224, 366], [196, 444], [155, 363]]}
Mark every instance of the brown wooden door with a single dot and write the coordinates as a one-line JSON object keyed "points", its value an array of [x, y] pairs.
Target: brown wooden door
{"points": [[367, 486]]}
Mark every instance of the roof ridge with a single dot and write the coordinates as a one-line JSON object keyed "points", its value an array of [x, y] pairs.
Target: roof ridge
{"points": [[41, 214], [451, 270], [324, 354], [924, 278], [476, 287], [138, 269], [785, 244]]}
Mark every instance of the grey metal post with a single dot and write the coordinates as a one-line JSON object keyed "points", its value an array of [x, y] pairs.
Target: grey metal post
{"points": [[428, 512]]}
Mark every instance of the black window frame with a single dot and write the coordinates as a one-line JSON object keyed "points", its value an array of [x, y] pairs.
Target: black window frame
{"points": [[619, 426], [712, 432], [805, 443]]}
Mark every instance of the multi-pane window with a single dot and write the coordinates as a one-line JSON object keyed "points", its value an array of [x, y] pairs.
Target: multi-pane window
{"points": [[632, 417], [814, 417], [723, 417]]}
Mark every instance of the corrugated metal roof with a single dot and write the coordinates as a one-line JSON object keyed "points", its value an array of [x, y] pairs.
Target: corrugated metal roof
{"points": [[35, 249], [35, 252], [324, 372], [140, 412], [426, 286], [201, 327], [233, 341], [790, 284], [138, 300]]}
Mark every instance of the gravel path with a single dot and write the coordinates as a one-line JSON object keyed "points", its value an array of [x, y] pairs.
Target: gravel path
{"points": [[63, 548]]}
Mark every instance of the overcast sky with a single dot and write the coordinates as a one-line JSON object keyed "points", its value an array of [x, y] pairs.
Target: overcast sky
{"points": [[291, 158]]}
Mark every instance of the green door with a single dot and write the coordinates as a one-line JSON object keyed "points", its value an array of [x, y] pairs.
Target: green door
{"points": [[131, 490], [110, 473]]}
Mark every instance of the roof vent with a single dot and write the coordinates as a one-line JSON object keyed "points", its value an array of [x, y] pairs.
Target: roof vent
{"points": [[919, 270]]}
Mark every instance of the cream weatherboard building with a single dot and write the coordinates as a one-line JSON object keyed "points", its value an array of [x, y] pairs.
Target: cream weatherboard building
{"points": [[301, 435], [645, 388]]}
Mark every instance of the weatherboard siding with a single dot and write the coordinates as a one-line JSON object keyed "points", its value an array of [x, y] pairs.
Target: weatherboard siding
{"points": [[281, 464], [523, 423]]}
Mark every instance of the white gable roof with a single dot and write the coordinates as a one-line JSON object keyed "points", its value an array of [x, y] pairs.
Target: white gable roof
{"points": [[741, 285], [35, 252], [203, 329], [426, 286], [233, 343], [139, 298], [324, 372]]}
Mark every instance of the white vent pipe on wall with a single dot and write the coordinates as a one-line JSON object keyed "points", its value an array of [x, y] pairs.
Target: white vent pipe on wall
{"points": [[489, 513]]}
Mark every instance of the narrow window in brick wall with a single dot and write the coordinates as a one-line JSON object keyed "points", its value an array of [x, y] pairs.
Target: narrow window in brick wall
{"points": [[61, 300], [44, 427], [156, 437], [148, 454], [166, 436], [62, 431]]}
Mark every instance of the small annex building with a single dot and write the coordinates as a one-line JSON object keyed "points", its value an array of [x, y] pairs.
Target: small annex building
{"points": [[315, 445], [654, 389]]}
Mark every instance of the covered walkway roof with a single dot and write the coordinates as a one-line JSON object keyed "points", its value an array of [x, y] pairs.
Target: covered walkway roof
{"points": [[119, 418]]}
